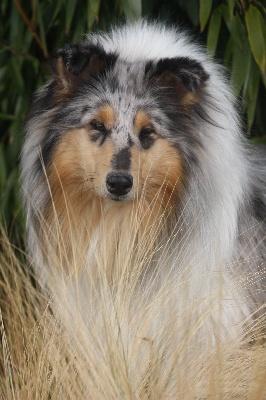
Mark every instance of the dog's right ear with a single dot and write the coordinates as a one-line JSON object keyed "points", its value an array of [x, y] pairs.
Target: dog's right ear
{"points": [[75, 64]]}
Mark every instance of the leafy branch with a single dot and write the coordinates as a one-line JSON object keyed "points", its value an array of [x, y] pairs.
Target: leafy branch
{"points": [[32, 29]]}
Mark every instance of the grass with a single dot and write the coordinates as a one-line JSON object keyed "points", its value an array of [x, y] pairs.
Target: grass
{"points": [[92, 339]]}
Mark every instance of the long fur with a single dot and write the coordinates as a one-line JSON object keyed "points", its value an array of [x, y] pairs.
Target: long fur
{"points": [[146, 102]]}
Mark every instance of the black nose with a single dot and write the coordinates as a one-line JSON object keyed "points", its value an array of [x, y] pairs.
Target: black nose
{"points": [[119, 183]]}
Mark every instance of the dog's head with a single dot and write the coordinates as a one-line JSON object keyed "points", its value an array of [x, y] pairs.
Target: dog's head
{"points": [[118, 132]]}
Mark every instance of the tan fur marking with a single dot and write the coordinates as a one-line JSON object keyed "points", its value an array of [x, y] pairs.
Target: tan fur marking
{"points": [[157, 170], [142, 120], [76, 178], [78, 160], [190, 99], [159, 177], [106, 114], [63, 84]]}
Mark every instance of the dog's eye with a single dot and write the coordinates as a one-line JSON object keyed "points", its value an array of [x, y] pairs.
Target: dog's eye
{"points": [[98, 126], [146, 137], [146, 132]]}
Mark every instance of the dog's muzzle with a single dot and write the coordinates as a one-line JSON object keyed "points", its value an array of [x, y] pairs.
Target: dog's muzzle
{"points": [[119, 183]]}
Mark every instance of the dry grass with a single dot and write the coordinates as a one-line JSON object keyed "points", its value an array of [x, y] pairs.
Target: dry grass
{"points": [[96, 339]]}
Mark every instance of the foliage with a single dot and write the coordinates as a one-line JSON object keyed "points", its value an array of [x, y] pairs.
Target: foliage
{"points": [[30, 31], [245, 47]]}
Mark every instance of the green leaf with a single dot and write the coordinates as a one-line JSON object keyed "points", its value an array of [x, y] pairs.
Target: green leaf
{"points": [[26, 42], [240, 66], [70, 10], [205, 10], [132, 9], [4, 4], [8, 117], [35, 64], [13, 149], [57, 9], [234, 25], [3, 71], [77, 31], [40, 16], [260, 6], [17, 26], [2, 167], [191, 8], [255, 34], [231, 6], [229, 51], [251, 93], [259, 140], [147, 7], [93, 12], [16, 74], [6, 193], [214, 30]]}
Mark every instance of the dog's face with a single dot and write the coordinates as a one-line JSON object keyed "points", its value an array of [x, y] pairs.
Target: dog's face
{"points": [[115, 132], [118, 158]]}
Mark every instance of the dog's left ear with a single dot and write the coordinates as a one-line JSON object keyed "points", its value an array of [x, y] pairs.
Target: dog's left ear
{"points": [[181, 78], [74, 64]]}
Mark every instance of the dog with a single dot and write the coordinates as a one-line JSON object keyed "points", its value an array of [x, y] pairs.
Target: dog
{"points": [[136, 139]]}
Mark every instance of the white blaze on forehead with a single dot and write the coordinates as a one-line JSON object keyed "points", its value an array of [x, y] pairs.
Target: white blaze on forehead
{"points": [[124, 126]]}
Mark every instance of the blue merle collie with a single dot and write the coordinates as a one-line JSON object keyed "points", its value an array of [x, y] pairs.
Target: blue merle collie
{"points": [[135, 143]]}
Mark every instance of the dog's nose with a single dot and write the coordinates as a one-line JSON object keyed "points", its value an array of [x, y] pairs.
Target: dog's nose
{"points": [[119, 183]]}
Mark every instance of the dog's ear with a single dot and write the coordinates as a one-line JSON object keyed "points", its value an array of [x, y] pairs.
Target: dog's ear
{"points": [[181, 78], [75, 64]]}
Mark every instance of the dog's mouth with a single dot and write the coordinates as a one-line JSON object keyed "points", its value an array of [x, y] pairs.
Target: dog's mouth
{"points": [[118, 198], [122, 199]]}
